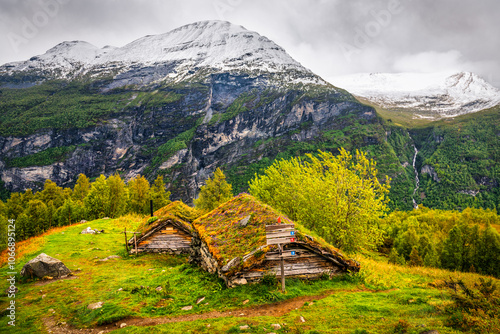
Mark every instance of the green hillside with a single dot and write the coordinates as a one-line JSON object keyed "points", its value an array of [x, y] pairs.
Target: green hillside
{"points": [[382, 298]]}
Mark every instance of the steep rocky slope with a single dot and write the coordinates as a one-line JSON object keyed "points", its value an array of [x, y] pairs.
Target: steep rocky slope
{"points": [[180, 104]]}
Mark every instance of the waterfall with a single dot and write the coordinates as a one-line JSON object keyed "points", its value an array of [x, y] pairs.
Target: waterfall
{"points": [[417, 181]]}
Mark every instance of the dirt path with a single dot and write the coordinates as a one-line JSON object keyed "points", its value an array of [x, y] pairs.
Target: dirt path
{"points": [[274, 310]]}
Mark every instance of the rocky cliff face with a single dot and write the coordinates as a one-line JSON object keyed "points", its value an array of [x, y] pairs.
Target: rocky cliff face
{"points": [[206, 95], [214, 123]]}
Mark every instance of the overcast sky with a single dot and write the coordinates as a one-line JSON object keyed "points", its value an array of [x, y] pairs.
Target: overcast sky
{"points": [[331, 37]]}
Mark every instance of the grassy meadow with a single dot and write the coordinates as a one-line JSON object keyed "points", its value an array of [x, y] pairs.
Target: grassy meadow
{"points": [[381, 298]]}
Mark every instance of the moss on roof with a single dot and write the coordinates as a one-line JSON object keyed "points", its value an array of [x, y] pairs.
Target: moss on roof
{"points": [[227, 239], [177, 212]]}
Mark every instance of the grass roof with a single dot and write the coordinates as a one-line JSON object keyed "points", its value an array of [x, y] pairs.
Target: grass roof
{"points": [[227, 239], [177, 213]]}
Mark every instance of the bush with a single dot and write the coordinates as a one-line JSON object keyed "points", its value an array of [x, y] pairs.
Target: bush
{"points": [[269, 279], [475, 309]]}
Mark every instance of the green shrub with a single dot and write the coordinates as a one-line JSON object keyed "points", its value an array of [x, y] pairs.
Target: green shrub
{"points": [[475, 309]]}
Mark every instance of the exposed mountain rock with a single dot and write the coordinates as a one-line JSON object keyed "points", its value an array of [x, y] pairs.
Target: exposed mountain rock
{"points": [[180, 104]]}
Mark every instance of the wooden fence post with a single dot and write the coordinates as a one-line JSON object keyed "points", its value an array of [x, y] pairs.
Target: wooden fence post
{"points": [[126, 241], [282, 264]]}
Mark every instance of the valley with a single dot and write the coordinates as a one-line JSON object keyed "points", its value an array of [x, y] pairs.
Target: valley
{"points": [[100, 138]]}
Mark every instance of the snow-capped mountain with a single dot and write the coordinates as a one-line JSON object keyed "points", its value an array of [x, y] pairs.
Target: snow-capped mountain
{"points": [[214, 45], [426, 95]]}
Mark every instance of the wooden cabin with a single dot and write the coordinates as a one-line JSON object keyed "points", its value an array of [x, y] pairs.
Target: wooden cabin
{"points": [[170, 232], [231, 241]]}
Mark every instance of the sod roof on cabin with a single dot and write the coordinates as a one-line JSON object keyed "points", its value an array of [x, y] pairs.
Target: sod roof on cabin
{"points": [[227, 239], [176, 212]]}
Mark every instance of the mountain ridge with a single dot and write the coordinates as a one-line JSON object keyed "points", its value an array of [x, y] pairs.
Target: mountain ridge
{"points": [[216, 45], [425, 95]]}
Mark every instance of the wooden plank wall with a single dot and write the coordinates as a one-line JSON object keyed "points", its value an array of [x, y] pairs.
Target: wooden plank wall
{"points": [[168, 238], [304, 264]]}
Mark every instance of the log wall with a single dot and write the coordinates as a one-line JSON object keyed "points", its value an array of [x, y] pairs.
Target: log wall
{"points": [[304, 264]]}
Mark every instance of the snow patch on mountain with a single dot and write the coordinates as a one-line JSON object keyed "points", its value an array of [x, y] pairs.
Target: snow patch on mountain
{"points": [[428, 95], [214, 45]]}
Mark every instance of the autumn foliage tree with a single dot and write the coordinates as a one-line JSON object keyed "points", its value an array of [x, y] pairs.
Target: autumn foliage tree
{"points": [[339, 197]]}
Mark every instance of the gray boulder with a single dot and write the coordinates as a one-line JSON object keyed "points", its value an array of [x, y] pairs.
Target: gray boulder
{"points": [[44, 265], [88, 230]]}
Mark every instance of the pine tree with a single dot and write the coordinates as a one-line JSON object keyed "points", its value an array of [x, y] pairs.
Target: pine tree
{"points": [[215, 192], [393, 256], [51, 211], [23, 228], [15, 205], [489, 263], [38, 217], [415, 259], [451, 256]]}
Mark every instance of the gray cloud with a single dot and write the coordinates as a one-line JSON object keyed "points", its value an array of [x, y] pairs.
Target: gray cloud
{"points": [[331, 37]]}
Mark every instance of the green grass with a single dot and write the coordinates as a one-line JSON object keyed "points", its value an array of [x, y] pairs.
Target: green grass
{"points": [[402, 118], [353, 303], [42, 158], [56, 104]]}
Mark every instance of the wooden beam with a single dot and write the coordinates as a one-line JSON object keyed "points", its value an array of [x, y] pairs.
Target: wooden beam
{"points": [[270, 228], [280, 233], [277, 241], [282, 270]]}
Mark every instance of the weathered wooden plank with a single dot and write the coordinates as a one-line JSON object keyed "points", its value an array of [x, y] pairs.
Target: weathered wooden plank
{"points": [[169, 232], [288, 268], [166, 244], [298, 257], [280, 241], [257, 274], [168, 237], [173, 247], [300, 263], [280, 233], [297, 250], [270, 228], [289, 254]]}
